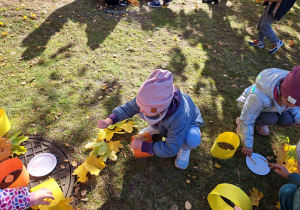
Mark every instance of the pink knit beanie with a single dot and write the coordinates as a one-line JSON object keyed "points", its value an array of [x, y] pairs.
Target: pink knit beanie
{"points": [[290, 87], [156, 93]]}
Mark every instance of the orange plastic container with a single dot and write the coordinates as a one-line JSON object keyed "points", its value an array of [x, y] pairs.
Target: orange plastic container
{"points": [[11, 165], [147, 138]]}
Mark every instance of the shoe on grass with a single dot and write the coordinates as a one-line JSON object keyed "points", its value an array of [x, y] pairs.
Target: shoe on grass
{"points": [[182, 159], [263, 130], [124, 3], [150, 130], [276, 46], [256, 43], [154, 4]]}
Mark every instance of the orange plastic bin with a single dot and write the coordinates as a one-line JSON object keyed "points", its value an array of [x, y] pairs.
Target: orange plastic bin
{"points": [[12, 165], [147, 138]]}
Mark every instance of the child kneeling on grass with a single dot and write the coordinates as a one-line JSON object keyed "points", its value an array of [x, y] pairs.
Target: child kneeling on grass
{"points": [[273, 99], [168, 112]]}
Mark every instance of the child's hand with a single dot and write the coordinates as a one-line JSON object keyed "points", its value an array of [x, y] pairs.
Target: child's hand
{"points": [[237, 208], [279, 169], [37, 197], [247, 151], [136, 144], [104, 123]]}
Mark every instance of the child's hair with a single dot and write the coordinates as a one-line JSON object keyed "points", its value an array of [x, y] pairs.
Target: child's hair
{"points": [[156, 93], [290, 86]]}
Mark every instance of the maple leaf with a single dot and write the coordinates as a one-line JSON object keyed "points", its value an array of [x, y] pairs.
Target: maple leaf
{"points": [[110, 133], [255, 196], [101, 135], [63, 205], [115, 145], [287, 157], [277, 205], [17, 149], [112, 155], [92, 164], [5, 148]]}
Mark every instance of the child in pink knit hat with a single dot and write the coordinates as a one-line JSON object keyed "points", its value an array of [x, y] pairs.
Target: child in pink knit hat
{"points": [[274, 99], [168, 112]]}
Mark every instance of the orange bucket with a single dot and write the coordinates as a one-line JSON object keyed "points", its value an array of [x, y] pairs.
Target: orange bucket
{"points": [[145, 137], [16, 170]]}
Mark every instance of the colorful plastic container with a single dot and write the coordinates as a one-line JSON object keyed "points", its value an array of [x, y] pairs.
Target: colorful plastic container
{"points": [[232, 193], [4, 123], [229, 138], [139, 153], [11, 165]]}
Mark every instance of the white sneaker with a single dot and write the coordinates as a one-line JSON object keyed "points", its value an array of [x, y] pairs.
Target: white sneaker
{"points": [[182, 159], [150, 130], [263, 130]]}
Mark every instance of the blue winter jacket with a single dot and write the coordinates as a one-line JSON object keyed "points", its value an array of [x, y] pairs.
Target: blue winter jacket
{"points": [[259, 98], [174, 128]]}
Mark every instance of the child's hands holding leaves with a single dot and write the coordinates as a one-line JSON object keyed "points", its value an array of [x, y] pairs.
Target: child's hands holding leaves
{"points": [[104, 123]]}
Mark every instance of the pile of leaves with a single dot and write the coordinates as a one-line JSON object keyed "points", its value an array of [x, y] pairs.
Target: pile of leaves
{"points": [[287, 156], [11, 145], [103, 148]]}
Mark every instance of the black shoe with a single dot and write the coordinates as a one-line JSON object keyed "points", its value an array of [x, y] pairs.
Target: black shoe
{"points": [[210, 1], [124, 3]]}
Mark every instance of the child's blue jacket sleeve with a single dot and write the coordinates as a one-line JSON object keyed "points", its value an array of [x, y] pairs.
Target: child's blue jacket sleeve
{"points": [[127, 110]]}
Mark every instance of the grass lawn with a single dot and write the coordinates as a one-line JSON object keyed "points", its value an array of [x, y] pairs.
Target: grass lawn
{"points": [[76, 60]]}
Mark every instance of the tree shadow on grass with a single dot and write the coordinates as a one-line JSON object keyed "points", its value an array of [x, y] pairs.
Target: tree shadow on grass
{"points": [[79, 11]]}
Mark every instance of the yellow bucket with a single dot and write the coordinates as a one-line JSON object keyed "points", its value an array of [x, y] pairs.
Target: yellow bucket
{"points": [[232, 193], [4, 123], [225, 145], [52, 185]]}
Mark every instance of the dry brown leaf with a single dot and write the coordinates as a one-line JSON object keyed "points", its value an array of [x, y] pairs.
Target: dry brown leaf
{"points": [[187, 205], [76, 190], [82, 193], [208, 46], [62, 166], [5, 148], [74, 163], [291, 43], [174, 207], [9, 178]]}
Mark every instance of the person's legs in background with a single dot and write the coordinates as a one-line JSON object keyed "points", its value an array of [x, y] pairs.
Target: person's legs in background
{"points": [[264, 120], [286, 195]]}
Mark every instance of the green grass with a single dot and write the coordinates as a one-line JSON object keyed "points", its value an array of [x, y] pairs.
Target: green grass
{"points": [[80, 46]]}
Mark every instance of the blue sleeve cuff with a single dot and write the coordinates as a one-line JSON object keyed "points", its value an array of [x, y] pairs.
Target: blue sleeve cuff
{"points": [[114, 118]]}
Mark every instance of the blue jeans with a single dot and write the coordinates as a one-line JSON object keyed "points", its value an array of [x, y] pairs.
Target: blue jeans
{"points": [[193, 138], [264, 26], [284, 119], [286, 196]]}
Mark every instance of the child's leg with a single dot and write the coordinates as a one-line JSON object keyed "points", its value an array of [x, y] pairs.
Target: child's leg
{"points": [[286, 195], [267, 118], [285, 119], [265, 29], [193, 138]]}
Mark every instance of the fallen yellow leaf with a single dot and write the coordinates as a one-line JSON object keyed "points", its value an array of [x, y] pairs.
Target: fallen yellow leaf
{"points": [[187, 205], [217, 165], [24, 17], [188, 181], [1, 23], [255, 196], [4, 33], [32, 16]]}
